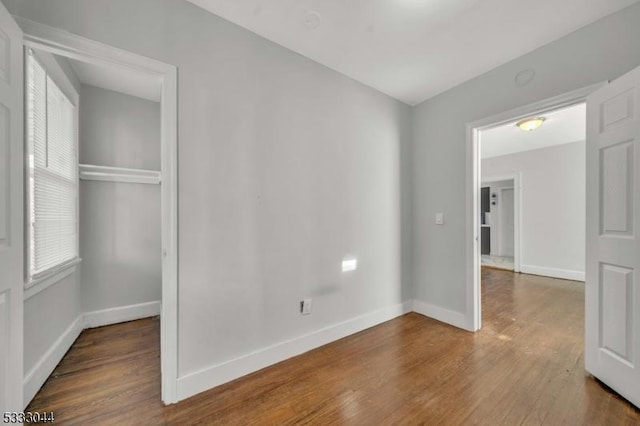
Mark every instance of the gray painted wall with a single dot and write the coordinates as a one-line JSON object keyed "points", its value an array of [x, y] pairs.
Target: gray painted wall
{"points": [[601, 51], [68, 70], [120, 232], [285, 166], [47, 315], [553, 204], [118, 130]]}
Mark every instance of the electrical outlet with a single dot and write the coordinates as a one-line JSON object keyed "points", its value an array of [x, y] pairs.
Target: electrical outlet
{"points": [[305, 306], [439, 218]]}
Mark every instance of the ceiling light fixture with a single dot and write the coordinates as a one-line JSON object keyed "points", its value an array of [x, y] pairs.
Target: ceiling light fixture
{"points": [[531, 123]]}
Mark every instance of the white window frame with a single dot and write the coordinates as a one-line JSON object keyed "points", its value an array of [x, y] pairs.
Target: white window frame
{"points": [[35, 283]]}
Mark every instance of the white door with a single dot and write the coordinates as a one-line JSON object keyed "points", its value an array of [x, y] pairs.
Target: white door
{"points": [[612, 310], [11, 199], [506, 222]]}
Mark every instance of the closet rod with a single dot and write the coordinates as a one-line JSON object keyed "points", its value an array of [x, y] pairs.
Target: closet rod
{"points": [[118, 174]]}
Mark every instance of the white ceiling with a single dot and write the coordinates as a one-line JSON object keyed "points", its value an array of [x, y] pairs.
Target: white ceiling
{"points": [[562, 126], [412, 49], [120, 80]]}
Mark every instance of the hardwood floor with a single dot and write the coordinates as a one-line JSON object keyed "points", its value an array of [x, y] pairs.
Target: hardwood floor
{"points": [[524, 367]]}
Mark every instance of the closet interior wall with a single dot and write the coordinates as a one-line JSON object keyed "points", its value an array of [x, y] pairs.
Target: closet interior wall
{"points": [[120, 231]]}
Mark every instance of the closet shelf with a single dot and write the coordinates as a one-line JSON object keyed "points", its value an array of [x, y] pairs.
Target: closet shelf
{"points": [[118, 174]]}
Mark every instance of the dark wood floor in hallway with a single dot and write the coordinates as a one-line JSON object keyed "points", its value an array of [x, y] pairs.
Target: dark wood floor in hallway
{"points": [[524, 367]]}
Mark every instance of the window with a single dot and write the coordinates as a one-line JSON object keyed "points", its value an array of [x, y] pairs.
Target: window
{"points": [[53, 173]]}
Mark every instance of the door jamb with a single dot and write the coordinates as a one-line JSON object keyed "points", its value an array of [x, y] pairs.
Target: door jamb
{"points": [[63, 43], [473, 316]]}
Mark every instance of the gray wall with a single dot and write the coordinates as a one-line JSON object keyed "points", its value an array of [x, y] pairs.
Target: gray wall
{"points": [[601, 51], [118, 130], [285, 166], [47, 315], [120, 232], [68, 70], [553, 205]]}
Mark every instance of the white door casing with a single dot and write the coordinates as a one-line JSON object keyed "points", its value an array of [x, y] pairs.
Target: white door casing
{"points": [[612, 305], [11, 211], [63, 43]]}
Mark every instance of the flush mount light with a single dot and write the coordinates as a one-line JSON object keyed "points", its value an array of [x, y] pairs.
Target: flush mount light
{"points": [[531, 123]]}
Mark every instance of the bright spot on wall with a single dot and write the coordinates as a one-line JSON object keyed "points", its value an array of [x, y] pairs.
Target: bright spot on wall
{"points": [[349, 264]]}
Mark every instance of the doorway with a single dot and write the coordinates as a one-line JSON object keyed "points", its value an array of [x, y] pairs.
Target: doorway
{"points": [[479, 133], [500, 222], [58, 42]]}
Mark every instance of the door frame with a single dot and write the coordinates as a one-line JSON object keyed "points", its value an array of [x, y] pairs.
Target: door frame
{"points": [[11, 216], [60, 42], [516, 177], [473, 317]]}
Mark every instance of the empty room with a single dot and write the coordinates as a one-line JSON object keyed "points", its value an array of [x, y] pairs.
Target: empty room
{"points": [[319, 212]]}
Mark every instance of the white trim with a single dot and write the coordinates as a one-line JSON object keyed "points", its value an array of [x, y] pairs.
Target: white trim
{"points": [[565, 274], [69, 45], [540, 107], [207, 378], [472, 305], [118, 174], [50, 278], [516, 177], [456, 319], [473, 179], [121, 314], [169, 220], [40, 372]]}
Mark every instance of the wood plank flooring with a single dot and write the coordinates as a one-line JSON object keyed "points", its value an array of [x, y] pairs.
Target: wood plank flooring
{"points": [[526, 366]]}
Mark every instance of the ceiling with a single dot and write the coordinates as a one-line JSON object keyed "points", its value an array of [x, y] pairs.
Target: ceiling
{"points": [[412, 50], [561, 126], [129, 82]]}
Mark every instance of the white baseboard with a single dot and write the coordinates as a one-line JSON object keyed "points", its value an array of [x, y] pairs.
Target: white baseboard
{"points": [[40, 372], [216, 375], [121, 314], [564, 274], [453, 318]]}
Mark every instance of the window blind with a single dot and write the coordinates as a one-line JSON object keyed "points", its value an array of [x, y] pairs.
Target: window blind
{"points": [[53, 172]]}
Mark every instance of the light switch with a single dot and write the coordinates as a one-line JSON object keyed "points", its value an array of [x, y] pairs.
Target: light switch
{"points": [[439, 218]]}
